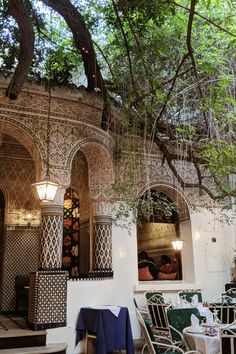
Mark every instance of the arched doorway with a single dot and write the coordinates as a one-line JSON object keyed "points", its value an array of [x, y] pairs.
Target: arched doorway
{"points": [[77, 233]]}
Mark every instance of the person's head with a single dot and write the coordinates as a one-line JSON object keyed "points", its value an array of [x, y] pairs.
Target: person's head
{"points": [[165, 259], [142, 256]]}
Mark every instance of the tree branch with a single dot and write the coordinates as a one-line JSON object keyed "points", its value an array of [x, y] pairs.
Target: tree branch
{"points": [[206, 19], [190, 51], [84, 44], [126, 46]]}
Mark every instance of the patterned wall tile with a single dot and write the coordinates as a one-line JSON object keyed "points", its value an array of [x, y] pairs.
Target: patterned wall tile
{"points": [[48, 299], [20, 256]]}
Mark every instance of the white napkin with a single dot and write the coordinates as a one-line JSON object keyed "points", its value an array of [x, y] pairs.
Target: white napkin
{"points": [[209, 318], [194, 299], [194, 322], [114, 309]]}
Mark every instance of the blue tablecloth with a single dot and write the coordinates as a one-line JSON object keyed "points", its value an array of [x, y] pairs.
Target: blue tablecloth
{"points": [[112, 333]]}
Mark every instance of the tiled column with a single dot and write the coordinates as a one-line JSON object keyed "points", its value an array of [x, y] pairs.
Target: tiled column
{"points": [[51, 237], [102, 236], [52, 233], [48, 286]]}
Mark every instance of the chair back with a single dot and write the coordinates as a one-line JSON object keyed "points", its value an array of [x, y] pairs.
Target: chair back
{"points": [[225, 313], [180, 319], [158, 316], [148, 334], [231, 293], [228, 340], [154, 297], [188, 294]]}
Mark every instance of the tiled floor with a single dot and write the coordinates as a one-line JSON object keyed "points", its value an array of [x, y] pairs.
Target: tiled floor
{"points": [[12, 321], [12, 324]]}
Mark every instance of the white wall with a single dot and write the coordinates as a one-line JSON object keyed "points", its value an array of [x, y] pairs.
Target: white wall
{"points": [[211, 268]]}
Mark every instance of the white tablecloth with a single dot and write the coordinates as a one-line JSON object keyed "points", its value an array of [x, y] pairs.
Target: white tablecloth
{"points": [[204, 344]]}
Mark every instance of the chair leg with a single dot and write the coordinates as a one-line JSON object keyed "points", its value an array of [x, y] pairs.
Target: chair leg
{"points": [[86, 343]]}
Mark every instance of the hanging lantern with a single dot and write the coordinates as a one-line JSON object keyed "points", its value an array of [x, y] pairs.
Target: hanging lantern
{"points": [[46, 189], [177, 244]]}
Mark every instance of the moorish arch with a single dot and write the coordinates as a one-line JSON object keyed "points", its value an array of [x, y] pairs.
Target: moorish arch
{"points": [[91, 179], [99, 184], [100, 167], [26, 138], [156, 237], [174, 193]]}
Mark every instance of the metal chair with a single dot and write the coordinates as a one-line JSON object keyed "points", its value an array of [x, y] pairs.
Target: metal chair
{"points": [[230, 293], [178, 320], [226, 313], [154, 344], [157, 311], [228, 339], [144, 311], [189, 293], [154, 296]]}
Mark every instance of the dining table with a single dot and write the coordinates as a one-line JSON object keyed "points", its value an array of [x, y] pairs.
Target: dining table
{"points": [[110, 326], [204, 343]]}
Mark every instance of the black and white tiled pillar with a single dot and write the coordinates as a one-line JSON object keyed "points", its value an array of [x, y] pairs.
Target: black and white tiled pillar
{"points": [[102, 238], [48, 286], [51, 236]]}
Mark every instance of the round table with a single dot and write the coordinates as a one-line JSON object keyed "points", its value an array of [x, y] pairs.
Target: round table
{"points": [[201, 342]]}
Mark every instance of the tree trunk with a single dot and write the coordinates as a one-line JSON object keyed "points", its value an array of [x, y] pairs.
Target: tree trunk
{"points": [[18, 10]]}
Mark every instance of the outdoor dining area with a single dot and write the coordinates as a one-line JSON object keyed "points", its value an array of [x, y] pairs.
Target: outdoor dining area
{"points": [[187, 323]]}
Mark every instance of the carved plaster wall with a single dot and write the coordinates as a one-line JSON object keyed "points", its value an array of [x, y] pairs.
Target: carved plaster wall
{"points": [[100, 171], [75, 117], [17, 173]]}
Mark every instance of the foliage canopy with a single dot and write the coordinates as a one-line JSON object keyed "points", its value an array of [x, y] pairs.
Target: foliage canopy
{"points": [[170, 65]]}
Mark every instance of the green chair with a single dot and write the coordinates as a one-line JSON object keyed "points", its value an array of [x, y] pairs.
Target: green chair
{"points": [[179, 319], [154, 344], [158, 315], [230, 295], [188, 294], [154, 296], [226, 313]]}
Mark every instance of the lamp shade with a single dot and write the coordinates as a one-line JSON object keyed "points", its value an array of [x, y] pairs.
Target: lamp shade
{"points": [[46, 189], [177, 244]]}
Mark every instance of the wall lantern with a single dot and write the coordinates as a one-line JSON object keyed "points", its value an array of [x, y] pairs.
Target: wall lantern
{"points": [[177, 244], [47, 189]]}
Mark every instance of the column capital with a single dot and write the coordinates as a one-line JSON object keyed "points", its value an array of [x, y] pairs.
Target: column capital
{"points": [[102, 208]]}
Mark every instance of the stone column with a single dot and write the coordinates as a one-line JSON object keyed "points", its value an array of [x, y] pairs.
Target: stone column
{"points": [[102, 235]]}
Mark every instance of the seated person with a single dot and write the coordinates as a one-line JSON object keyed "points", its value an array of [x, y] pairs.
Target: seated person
{"points": [[146, 267], [168, 269]]}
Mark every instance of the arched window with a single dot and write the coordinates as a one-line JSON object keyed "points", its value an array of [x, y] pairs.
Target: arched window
{"points": [[158, 226]]}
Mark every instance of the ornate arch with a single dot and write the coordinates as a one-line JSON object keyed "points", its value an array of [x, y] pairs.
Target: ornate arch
{"points": [[100, 167], [174, 193], [28, 139]]}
